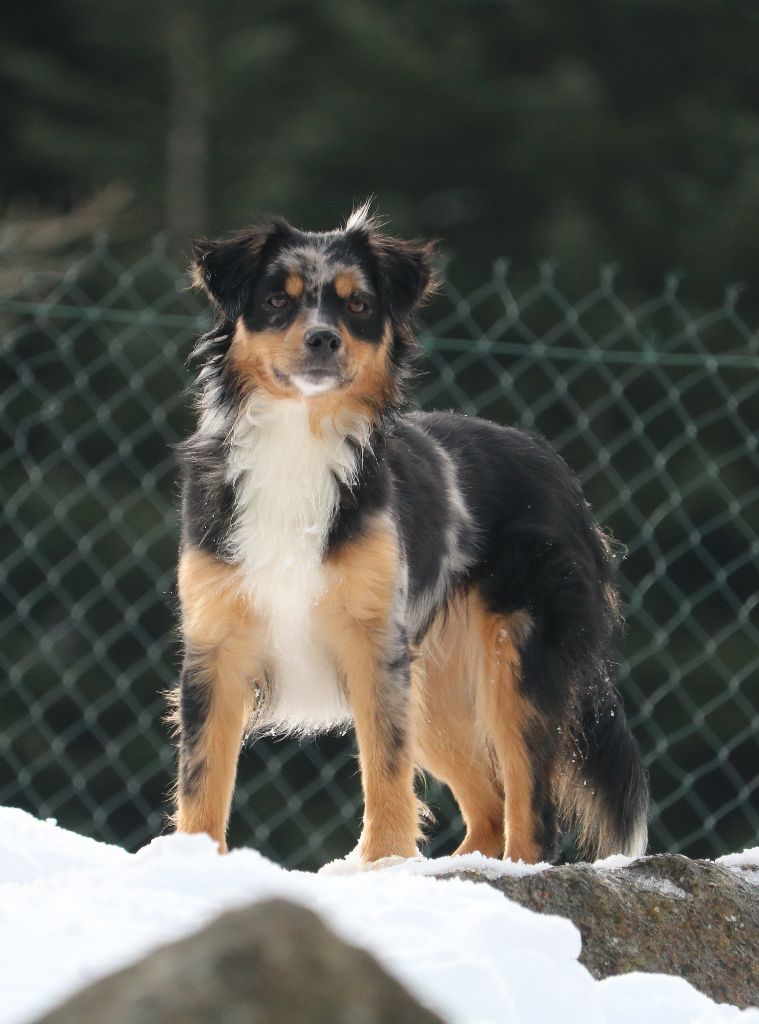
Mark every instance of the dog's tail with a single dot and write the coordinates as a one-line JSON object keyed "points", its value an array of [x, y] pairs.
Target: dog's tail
{"points": [[603, 788]]}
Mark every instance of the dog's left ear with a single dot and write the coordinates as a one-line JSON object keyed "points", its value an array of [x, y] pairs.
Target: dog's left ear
{"points": [[227, 270], [408, 272], [406, 269]]}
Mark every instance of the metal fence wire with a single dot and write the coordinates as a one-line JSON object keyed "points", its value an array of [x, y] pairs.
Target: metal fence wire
{"points": [[653, 406]]}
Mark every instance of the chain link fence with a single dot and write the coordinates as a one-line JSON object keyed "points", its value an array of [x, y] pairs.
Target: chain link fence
{"points": [[654, 407]]}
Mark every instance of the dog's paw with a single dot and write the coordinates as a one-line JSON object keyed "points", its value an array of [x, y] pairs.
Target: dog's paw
{"points": [[353, 865]]}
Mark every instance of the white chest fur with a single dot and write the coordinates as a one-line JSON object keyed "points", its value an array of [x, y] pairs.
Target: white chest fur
{"points": [[286, 494]]}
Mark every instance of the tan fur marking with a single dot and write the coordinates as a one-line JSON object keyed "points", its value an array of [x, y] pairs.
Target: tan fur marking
{"points": [[346, 283], [206, 808], [223, 633], [509, 718], [473, 725], [355, 614], [373, 381], [254, 357], [362, 579], [449, 741], [364, 367], [213, 604], [371, 384], [294, 286]]}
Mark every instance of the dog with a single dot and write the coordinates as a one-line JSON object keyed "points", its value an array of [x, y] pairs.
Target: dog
{"points": [[433, 579]]}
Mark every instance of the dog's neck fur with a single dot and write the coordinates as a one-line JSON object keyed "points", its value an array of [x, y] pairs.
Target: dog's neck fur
{"points": [[286, 480]]}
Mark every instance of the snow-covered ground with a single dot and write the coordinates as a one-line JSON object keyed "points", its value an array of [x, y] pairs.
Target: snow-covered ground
{"points": [[72, 909]]}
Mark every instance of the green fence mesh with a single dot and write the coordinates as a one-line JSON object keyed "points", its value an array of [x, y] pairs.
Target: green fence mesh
{"points": [[655, 408]]}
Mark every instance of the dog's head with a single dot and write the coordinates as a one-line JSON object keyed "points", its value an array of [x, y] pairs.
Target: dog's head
{"points": [[312, 315]]}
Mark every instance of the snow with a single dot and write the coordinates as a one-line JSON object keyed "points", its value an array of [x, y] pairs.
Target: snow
{"points": [[83, 909], [473, 862], [745, 864], [747, 859], [663, 887], [666, 998]]}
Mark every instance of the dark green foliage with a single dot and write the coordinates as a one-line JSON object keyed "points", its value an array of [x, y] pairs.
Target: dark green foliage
{"points": [[584, 132]]}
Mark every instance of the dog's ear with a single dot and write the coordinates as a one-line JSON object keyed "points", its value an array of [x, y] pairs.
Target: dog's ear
{"points": [[227, 270], [407, 270]]}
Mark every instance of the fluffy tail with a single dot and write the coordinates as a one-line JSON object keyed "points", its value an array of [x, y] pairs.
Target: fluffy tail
{"points": [[603, 790]]}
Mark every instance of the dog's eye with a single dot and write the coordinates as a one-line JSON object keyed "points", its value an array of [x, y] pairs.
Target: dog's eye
{"points": [[278, 300], [357, 305]]}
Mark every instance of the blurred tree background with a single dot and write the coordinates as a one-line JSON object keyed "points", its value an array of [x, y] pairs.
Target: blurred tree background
{"points": [[607, 130], [623, 131]]}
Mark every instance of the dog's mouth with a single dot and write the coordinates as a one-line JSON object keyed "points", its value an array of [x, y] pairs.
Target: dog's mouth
{"points": [[310, 380]]}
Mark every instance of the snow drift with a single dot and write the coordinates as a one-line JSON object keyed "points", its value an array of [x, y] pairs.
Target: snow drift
{"points": [[72, 910]]}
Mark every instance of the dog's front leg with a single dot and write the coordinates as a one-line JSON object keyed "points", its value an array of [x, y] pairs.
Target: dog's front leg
{"points": [[364, 621], [214, 707], [379, 692], [214, 697]]}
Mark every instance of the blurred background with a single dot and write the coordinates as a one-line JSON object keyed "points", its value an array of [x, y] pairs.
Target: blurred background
{"points": [[592, 170]]}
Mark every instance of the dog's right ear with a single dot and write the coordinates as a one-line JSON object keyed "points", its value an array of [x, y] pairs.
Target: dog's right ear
{"points": [[227, 270]]}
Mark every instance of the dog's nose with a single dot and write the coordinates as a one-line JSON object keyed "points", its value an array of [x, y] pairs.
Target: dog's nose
{"points": [[323, 339]]}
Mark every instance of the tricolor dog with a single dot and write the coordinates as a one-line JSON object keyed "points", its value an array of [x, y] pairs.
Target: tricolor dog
{"points": [[435, 581]]}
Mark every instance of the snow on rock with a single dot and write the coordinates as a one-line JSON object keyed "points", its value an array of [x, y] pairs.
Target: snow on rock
{"points": [[487, 867], [72, 910], [746, 864], [747, 859]]}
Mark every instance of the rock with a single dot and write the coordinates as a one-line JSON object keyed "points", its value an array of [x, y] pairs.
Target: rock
{"points": [[269, 963], [662, 914]]}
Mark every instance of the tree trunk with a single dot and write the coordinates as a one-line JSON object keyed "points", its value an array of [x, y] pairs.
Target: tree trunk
{"points": [[187, 135]]}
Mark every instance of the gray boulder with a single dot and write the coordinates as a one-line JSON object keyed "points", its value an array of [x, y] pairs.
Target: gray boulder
{"points": [[269, 963], [664, 914]]}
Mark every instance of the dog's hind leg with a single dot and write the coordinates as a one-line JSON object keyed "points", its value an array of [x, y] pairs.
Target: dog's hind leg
{"points": [[213, 702], [447, 747], [527, 747], [449, 744]]}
